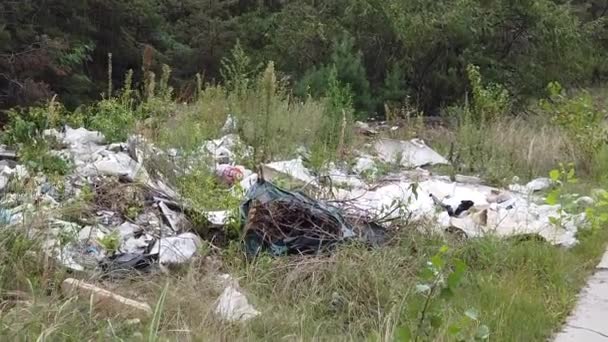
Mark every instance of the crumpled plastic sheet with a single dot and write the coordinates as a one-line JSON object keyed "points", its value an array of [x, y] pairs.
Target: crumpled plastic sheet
{"points": [[264, 193], [411, 153], [233, 306]]}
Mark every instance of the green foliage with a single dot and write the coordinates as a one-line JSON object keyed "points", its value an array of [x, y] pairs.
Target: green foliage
{"points": [[338, 116], [345, 67], [38, 158], [383, 50], [597, 215], [578, 116], [394, 90], [487, 107], [113, 118], [558, 196], [16, 259], [490, 101], [238, 70], [204, 193], [133, 211], [110, 242], [25, 129], [439, 281], [87, 194], [26, 126]]}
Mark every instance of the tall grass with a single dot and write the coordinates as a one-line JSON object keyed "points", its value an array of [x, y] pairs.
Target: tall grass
{"points": [[522, 289], [268, 119], [508, 147]]}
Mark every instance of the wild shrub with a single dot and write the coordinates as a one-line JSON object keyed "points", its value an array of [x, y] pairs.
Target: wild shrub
{"points": [[577, 115], [488, 104], [113, 118]]}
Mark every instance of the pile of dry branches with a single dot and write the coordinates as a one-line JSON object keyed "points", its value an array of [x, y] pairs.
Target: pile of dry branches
{"points": [[297, 225]]}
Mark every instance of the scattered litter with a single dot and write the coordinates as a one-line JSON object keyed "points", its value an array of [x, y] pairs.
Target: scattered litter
{"points": [[151, 219], [230, 174], [218, 218], [511, 214], [223, 149], [293, 170], [104, 300], [584, 201], [7, 154], [233, 306], [5, 216], [177, 220], [497, 196], [364, 128], [534, 185], [342, 179], [365, 164], [176, 249], [124, 264], [82, 136], [462, 207], [3, 182], [10, 164], [411, 154], [230, 125]]}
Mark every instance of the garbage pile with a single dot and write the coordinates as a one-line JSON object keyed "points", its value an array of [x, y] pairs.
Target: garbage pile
{"points": [[135, 210], [289, 222], [137, 222], [464, 205]]}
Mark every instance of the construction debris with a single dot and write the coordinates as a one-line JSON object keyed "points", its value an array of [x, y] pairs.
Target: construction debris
{"points": [[104, 300], [176, 249], [136, 220], [6, 154], [409, 154], [534, 185], [233, 306]]}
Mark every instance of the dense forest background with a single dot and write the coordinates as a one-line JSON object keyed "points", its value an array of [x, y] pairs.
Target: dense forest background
{"points": [[386, 51]]}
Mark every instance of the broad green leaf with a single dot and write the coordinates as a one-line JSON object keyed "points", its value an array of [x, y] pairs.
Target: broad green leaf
{"points": [[571, 174], [554, 175], [438, 261], [456, 276], [403, 334], [472, 313], [552, 198], [443, 249]]}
